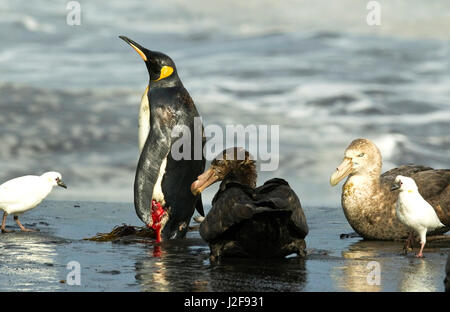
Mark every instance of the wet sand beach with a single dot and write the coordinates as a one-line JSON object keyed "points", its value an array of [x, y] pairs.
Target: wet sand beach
{"points": [[37, 261]]}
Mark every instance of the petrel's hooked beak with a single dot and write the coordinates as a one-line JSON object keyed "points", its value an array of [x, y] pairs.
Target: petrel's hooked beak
{"points": [[344, 169], [203, 181]]}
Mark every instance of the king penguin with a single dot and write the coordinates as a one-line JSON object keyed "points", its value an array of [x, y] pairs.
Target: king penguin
{"points": [[162, 195]]}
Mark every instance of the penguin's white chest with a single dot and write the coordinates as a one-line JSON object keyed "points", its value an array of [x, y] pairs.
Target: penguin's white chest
{"points": [[144, 130], [157, 190], [143, 120]]}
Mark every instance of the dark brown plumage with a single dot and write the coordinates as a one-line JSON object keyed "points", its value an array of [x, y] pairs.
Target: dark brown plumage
{"points": [[244, 221]]}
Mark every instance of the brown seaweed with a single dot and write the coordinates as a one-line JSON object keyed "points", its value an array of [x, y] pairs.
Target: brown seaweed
{"points": [[124, 230]]}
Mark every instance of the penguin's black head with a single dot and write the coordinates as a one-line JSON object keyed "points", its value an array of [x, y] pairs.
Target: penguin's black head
{"points": [[160, 67]]}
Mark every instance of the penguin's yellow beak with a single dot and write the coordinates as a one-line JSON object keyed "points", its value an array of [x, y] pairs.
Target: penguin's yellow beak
{"points": [[139, 52], [137, 47]]}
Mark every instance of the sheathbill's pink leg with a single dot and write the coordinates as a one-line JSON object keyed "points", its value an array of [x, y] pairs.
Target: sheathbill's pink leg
{"points": [[16, 218]]}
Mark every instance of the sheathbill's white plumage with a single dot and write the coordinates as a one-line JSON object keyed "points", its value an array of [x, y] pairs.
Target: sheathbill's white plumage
{"points": [[414, 211], [25, 193]]}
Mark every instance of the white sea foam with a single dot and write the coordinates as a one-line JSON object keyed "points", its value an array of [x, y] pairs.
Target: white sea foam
{"points": [[72, 93]]}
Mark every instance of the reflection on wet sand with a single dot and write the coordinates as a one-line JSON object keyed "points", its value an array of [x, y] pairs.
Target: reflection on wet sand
{"points": [[29, 259], [405, 273], [353, 275], [258, 275], [447, 274], [178, 266], [420, 275], [184, 265]]}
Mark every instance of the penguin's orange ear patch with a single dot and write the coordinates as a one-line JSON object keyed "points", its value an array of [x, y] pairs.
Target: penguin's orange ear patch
{"points": [[166, 71]]}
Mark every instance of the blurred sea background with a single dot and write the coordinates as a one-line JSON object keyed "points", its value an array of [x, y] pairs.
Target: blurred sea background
{"points": [[69, 95]]}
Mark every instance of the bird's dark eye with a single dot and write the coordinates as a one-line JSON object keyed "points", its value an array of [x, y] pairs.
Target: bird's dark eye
{"points": [[361, 155]]}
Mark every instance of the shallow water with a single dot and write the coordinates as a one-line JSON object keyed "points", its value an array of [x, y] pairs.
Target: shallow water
{"points": [[37, 261]]}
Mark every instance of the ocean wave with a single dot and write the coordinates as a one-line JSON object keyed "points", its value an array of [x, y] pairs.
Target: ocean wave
{"points": [[70, 95], [92, 136]]}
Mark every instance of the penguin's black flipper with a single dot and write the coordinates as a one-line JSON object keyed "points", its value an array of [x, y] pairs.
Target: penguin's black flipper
{"points": [[199, 206], [155, 150]]}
